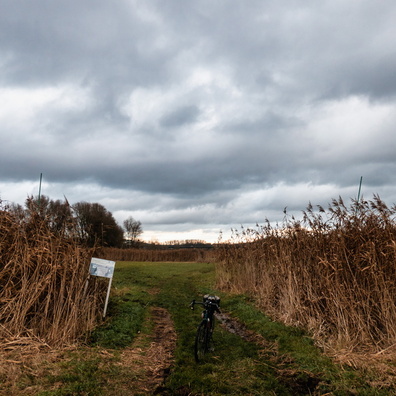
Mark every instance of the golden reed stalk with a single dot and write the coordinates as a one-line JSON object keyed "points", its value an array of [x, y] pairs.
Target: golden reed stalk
{"points": [[333, 273], [43, 283]]}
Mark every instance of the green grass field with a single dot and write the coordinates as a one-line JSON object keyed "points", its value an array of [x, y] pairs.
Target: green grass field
{"points": [[284, 361]]}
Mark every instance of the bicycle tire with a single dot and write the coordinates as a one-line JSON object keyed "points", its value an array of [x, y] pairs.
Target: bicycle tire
{"points": [[212, 324], [201, 341]]}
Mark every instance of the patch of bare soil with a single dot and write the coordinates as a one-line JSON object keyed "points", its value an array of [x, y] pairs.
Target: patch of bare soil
{"points": [[151, 356]]}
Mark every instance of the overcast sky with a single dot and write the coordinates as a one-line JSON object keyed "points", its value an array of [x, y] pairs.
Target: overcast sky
{"points": [[198, 116]]}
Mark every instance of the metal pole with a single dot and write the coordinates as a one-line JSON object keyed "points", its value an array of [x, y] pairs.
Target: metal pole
{"points": [[360, 187], [39, 195], [107, 297]]}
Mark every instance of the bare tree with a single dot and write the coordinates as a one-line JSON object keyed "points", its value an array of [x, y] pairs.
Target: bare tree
{"points": [[133, 229]]}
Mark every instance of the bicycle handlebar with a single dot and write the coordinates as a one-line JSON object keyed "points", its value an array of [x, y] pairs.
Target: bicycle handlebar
{"points": [[206, 304]]}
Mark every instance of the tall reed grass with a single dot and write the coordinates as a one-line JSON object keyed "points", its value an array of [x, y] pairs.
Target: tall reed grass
{"points": [[333, 272], [172, 255], [44, 289]]}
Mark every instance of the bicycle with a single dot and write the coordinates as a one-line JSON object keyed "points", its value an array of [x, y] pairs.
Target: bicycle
{"points": [[205, 329]]}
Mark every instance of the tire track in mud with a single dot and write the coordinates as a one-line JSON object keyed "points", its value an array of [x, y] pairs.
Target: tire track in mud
{"points": [[287, 371], [234, 326], [151, 356]]}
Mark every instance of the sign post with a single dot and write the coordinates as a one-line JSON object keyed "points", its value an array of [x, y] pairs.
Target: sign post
{"points": [[105, 269]]}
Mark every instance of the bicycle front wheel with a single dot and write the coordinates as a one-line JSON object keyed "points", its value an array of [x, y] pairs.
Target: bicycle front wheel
{"points": [[201, 341]]}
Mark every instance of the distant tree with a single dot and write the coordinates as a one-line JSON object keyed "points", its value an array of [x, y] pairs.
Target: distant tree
{"points": [[96, 225], [133, 229]]}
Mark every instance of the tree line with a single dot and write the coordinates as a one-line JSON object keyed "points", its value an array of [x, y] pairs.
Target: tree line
{"points": [[91, 223]]}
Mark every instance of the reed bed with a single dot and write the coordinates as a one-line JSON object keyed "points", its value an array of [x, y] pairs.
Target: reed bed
{"points": [[157, 255], [45, 294], [332, 273]]}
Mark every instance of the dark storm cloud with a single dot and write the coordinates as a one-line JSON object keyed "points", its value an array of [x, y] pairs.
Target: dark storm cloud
{"points": [[205, 113], [46, 41]]}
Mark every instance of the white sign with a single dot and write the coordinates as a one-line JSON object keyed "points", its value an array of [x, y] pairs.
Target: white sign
{"points": [[104, 268], [100, 267]]}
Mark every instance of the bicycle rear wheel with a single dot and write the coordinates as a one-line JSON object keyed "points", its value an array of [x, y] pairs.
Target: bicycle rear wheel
{"points": [[201, 341]]}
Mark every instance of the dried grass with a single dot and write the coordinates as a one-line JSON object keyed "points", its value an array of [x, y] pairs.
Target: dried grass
{"points": [[23, 361], [333, 273], [44, 292], [157, 255]]}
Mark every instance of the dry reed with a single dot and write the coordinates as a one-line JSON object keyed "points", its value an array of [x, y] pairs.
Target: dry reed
{"points": [[332, 273], [158, 255], [44, 290]]}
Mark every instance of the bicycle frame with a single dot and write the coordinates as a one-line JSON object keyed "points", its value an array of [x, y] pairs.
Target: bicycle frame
{"points": [[206, 327]]}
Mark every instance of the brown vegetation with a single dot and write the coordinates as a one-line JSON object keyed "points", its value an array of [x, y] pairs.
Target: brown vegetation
{"points": [[157, 254], [44, 291], [333, 273]]}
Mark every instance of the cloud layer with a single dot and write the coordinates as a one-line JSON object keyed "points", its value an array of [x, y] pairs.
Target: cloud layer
{"points": [[197, 116]]}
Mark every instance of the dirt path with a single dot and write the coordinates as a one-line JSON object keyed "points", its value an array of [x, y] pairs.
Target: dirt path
{"points": [[151, 356], [145, 364]]}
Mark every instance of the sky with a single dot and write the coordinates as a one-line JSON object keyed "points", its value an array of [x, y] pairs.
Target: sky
{"points": [[196, 117]]}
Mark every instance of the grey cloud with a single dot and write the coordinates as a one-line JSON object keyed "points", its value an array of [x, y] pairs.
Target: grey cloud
{"points": [[75, 41], [232, 102], [181, 116]]}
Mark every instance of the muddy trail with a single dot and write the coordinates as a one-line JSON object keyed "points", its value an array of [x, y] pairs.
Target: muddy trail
{"points": [[146, 347], [287, 371], [152, 357]]}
